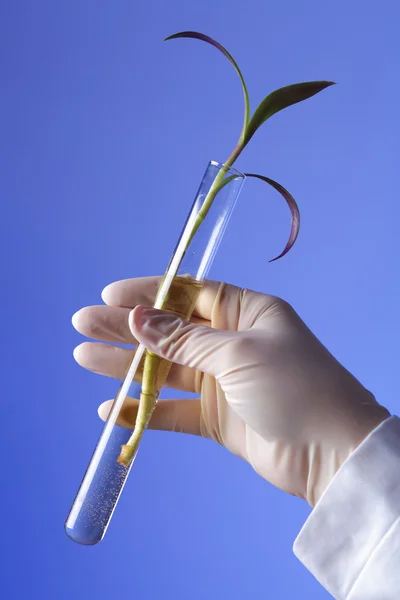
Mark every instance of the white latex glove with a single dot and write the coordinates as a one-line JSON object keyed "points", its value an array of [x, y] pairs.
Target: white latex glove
{"points": [[270, 391]]}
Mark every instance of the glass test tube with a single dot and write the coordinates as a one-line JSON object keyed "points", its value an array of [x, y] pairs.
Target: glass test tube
{"points": [[105, 478]]}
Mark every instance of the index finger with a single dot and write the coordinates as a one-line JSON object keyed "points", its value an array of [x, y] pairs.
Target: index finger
{"points": [[129, 293]]}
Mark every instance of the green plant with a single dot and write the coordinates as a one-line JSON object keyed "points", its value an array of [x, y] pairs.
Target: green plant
{"points": [[273, 103]]}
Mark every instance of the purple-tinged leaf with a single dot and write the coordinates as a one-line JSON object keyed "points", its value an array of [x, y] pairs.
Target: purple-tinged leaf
{"points": [[280, 99], [209, 40], [294, 211]]}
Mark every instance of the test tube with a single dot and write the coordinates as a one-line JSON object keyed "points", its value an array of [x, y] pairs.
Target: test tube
{"points": [[104, 480]]}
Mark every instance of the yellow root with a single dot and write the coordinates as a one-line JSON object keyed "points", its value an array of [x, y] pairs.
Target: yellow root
{"points": [[147, 404]]}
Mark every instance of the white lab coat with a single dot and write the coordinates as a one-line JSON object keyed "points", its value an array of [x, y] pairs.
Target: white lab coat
{"points": [[351, 541]]}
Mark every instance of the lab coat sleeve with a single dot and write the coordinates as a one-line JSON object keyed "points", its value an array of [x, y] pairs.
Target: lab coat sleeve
{"points": [[351, 540]]}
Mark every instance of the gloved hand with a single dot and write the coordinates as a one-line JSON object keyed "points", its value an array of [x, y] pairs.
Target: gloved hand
{"points": [[270, 391]]}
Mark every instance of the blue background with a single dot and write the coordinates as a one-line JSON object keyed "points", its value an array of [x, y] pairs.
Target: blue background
{"points": [[105, 134]]}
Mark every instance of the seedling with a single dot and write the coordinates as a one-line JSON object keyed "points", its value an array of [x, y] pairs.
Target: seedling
{"points": [[273, 103]]}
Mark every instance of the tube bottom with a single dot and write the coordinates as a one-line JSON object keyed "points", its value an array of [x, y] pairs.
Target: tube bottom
{"points": [[101, 487]]}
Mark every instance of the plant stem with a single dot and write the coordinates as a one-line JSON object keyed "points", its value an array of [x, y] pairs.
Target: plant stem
{"points": [[147, 403], [150, 385]]}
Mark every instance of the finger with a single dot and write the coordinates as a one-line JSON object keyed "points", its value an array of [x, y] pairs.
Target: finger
{"points": [[169, 415], [107, 323], [113, 361], [203, 348], [142, 291]]}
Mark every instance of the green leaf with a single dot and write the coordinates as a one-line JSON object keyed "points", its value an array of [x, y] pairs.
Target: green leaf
{"points": [[209, 40], [280, 99], [294, 211]]}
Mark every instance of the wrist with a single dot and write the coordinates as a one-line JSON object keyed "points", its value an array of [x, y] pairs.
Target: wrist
{"points": [[344, 444]]}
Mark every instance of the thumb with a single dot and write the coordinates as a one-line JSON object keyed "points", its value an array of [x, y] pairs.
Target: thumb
{"points": [[181, 342]]}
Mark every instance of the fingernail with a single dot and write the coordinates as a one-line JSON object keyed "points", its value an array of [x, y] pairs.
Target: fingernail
{"points": [[105, 409], [151, 324], [105, 294], [75, 319], [77, 352]]}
